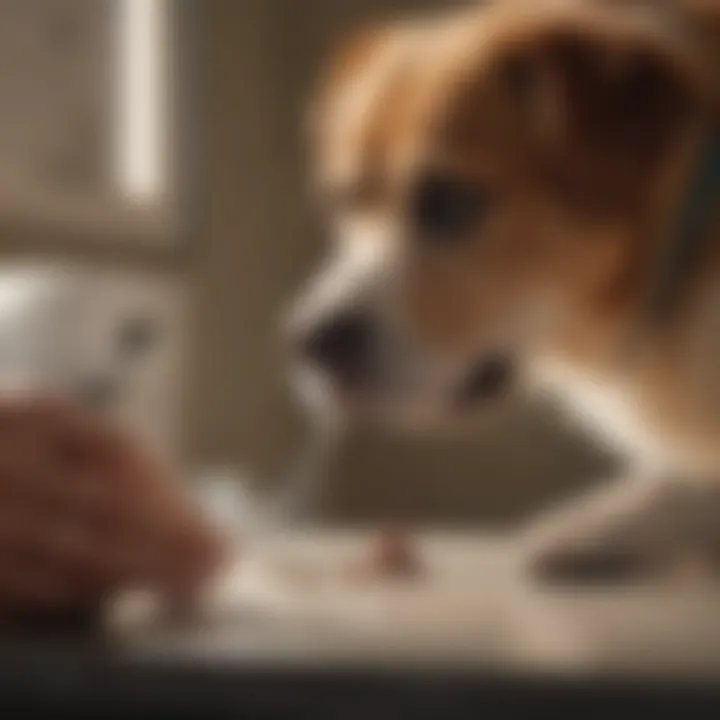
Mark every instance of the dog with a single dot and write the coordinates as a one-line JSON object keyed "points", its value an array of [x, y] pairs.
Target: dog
{"points": [[525, 194]]}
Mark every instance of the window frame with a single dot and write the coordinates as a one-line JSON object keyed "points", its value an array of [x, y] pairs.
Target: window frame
{"points": [[40, 221]]}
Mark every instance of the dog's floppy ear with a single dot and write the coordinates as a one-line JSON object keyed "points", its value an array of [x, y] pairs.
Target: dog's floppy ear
{"points": [[345, 61], [600, 110], [352, 51]]}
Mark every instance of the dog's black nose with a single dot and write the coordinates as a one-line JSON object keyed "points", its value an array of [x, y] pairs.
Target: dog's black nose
{"points": [[341, 345]]}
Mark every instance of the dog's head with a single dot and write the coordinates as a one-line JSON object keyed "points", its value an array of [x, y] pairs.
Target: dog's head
{"points": [[486, 174]]}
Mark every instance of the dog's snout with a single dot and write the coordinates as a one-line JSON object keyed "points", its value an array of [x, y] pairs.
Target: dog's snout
{"points": [[340, 344]]}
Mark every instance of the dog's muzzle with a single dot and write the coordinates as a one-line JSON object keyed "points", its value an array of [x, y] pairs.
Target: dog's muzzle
{"points": [[342, 346]]}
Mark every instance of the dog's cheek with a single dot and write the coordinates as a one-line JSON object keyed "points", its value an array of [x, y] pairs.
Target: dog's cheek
{"points": [[443, 300]]}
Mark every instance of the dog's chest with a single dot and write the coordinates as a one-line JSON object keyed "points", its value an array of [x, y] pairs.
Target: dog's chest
{"points": [[609, 409]]}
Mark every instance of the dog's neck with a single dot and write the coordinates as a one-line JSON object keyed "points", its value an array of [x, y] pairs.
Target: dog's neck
{"points": [[686, 237], [672, 236], [676, 231]]}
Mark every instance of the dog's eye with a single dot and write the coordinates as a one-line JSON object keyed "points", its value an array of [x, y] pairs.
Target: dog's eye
{"points": [[445, 208]]}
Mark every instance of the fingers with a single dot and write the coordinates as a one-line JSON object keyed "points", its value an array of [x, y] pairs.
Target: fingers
{"points": [[85, 509], [50, 553]]}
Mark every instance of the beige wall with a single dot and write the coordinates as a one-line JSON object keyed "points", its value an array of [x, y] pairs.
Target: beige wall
{"points": [[259, 239]]}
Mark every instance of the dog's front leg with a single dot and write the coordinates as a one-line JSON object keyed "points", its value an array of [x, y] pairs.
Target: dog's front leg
{"points": [[627, 531]]}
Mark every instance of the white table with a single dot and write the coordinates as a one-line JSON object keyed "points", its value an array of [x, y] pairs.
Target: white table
{"points": [[472, 609]]}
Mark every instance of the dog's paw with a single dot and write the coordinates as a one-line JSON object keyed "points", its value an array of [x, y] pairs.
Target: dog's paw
{"points": [[567, 555], [576, 565]]}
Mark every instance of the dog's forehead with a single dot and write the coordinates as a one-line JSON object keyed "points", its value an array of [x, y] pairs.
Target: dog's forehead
{"points": [[382, 119], [378, 120]]}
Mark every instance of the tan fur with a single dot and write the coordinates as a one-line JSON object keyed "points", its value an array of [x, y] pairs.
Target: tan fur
{"points": [[523, 97]]}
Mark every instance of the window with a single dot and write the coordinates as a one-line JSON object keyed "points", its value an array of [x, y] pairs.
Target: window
{"points": [[88, 161], [87, 118]]}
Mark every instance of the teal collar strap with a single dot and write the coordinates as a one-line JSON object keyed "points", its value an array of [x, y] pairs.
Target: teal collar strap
{"points": [[689, 235]]}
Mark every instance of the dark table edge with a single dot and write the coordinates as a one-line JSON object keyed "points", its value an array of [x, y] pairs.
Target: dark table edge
{"points": [[49, 682]]}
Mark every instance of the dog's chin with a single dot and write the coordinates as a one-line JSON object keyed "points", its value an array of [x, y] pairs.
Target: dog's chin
{"points": [[434, 419], [452, 411], [411, 417], [460, 407]]}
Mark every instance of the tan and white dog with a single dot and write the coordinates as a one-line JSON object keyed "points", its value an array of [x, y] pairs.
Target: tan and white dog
{"points": [[527, 194]]}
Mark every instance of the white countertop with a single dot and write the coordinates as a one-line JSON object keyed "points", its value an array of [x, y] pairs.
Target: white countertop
{"points": [[289, 601]]}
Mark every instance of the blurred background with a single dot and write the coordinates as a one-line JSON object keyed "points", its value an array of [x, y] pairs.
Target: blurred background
{"points": [[154, 225]]}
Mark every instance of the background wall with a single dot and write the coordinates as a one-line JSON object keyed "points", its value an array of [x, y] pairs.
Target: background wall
{"points": [[259, 240]]}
